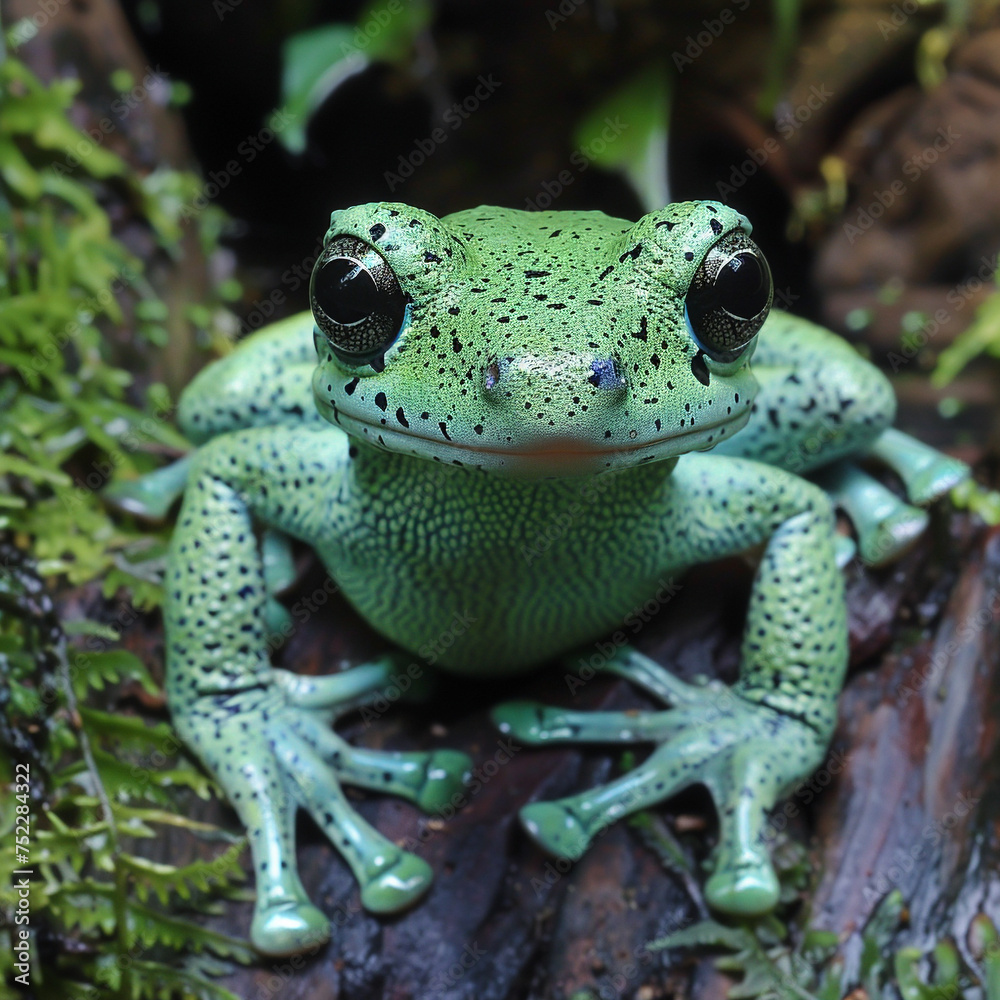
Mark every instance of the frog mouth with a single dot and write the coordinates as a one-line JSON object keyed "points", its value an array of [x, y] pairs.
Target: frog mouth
{"points": [[555, 457]]}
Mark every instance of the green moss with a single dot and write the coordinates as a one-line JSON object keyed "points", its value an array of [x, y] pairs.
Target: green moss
{"points": [[104, 921]]}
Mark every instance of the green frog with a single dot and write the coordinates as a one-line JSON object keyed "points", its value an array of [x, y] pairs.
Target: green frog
{"points": [[462, 388]]}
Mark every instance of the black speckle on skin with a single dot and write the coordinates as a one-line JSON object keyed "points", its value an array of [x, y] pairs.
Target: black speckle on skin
{"points": [[380, 401], [605, 272], [633, 253], [431, 258], [377, 231], [699, 369], [351, 386], [401, 417], [537, 274], [716, 226]]}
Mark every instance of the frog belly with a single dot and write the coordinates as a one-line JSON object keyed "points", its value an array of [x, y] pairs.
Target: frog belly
{"points": [[495, 630]]}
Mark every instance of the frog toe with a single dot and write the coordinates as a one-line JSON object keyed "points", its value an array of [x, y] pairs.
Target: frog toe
{"points": [[151, 496], [936, 479], [447, 771], [747, 891], [885, 525], [288, 927], [524, 720], [887, 539], [403, 881], [927, 473], [555, 829]]}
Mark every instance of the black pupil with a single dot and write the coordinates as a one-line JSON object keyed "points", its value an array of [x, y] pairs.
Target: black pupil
{"points": [[743, 285], [346, 291]]}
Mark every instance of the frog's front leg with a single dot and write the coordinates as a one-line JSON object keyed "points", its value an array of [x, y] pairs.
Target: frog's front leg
{"points": [[751, 743], [264, 733]]}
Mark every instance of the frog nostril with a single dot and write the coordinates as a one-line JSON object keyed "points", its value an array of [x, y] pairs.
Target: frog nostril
{"points": [[604, 374]]}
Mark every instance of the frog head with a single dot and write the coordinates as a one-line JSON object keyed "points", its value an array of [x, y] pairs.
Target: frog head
{"points": [[538, 343]]}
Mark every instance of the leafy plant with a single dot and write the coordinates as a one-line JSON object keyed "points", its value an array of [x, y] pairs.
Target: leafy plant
{"points": [[105, 922], [982, 336], [771, 966]]}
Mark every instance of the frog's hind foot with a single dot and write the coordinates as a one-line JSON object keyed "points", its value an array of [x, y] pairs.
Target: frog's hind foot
{"points": [[887, 526], [746, 753], [151, 496], [927, 473]]}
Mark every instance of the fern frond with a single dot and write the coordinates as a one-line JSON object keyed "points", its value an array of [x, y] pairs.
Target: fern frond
{"points": [[152, 981], [148, 927], [112, 666], [152, 878]]}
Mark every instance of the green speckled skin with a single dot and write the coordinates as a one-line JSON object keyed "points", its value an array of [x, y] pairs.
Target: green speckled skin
{"points": [[545, 385]]}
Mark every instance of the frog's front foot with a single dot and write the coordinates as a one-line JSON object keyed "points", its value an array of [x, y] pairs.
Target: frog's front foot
{"points": [[747, 754], [274, 752]]}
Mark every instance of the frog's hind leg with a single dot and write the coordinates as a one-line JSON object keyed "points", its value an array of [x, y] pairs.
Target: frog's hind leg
{"points": [[821, 404], [266, 381], [150, 496]]}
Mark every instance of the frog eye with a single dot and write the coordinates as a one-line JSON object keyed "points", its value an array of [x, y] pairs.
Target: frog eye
{"points": [[356, 300], [729, 297]]}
